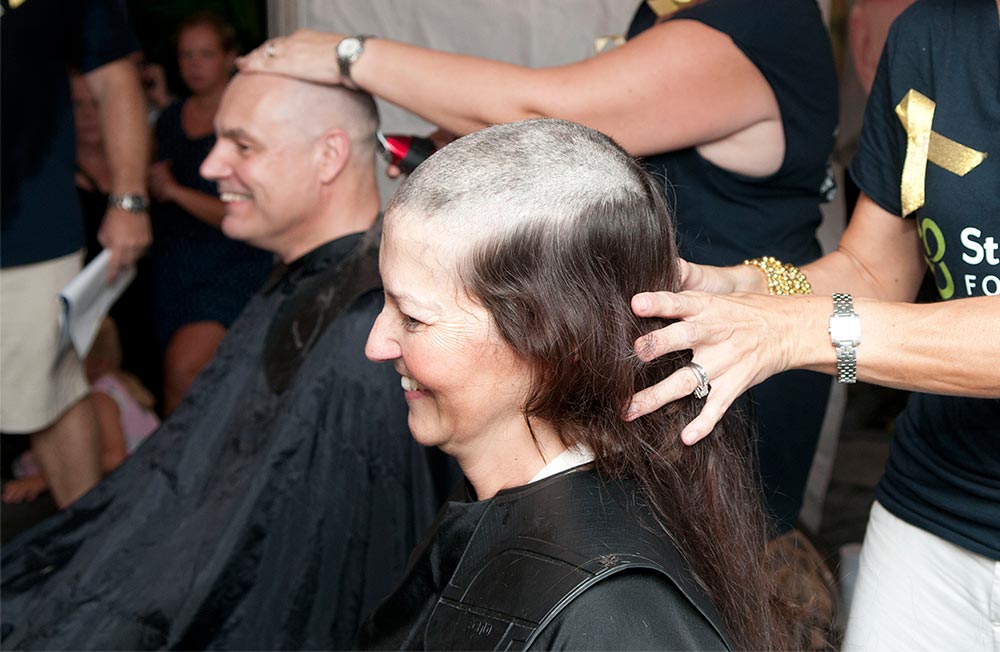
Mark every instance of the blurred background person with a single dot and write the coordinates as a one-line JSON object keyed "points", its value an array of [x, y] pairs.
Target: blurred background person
{"points": [[200, 278], [132, 312], [44, 393], [124, 409]]}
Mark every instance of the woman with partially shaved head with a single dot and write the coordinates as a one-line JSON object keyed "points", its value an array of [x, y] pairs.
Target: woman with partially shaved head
{"points": [[509, 259]]}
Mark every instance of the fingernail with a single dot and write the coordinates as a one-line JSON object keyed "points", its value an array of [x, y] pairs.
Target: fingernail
{"points": [[690, 438], [640, 303], [632, 412]]}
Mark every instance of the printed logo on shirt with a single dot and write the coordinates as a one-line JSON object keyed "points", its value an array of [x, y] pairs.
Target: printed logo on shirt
{"points": [[978, 249], [934, 248]]}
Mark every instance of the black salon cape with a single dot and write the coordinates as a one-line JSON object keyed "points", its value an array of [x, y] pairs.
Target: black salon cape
{"points": [[489, 569], [248, 520]]}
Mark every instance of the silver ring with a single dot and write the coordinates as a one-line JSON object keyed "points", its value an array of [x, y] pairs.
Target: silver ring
{"points": [[703, 388], [269, 50]]}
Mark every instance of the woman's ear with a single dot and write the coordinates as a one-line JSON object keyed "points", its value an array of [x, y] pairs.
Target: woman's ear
{"points": [[334, 151]]}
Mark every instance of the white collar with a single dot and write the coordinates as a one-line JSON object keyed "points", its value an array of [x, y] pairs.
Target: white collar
{"points": [[571, 457]]}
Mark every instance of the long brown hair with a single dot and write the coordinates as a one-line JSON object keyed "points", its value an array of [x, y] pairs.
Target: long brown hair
{"points": [[559, 289]]}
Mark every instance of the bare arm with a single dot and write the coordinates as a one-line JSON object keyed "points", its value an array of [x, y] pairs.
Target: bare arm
{"points": [[672, 86], [879, 256], [742, 339], [123, 121]]}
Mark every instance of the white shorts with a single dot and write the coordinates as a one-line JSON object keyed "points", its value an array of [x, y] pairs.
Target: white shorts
{"points": [[916, 591], [35, 388]]}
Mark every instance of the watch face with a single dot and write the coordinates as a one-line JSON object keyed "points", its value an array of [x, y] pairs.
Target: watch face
{"points": [[349, 48], [845, 328]]}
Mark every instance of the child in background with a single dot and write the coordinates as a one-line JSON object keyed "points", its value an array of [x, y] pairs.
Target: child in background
{"points": [[124, 410]]}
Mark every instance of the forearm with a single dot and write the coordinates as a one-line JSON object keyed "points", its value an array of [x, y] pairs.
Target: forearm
{"points": [[947, 347], [122, 112], [205, 207], [645, 94], [879, 256], [459, 93]]}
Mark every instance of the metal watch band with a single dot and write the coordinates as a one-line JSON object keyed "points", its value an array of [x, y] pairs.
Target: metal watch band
{"points": [[131, 202], [847, 355]]}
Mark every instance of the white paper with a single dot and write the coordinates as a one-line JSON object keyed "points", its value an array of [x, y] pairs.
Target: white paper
{"points": [[86, 301]]}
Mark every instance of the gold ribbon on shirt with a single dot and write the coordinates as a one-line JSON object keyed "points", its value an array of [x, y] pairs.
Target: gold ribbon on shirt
{"points": [[665, 7], [609, 42], [916, 112]]}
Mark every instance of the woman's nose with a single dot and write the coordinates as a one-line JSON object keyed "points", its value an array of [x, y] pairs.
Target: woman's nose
{"points": [[381, 346]]}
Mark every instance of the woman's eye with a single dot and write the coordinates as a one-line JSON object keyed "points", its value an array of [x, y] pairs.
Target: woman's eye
{"points": [[409, 323]]}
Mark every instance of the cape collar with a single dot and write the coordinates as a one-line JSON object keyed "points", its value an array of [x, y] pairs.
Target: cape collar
{"points": [[287, 277]]}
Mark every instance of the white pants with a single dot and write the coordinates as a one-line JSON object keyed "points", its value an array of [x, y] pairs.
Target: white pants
{"points": [[916, 591]]}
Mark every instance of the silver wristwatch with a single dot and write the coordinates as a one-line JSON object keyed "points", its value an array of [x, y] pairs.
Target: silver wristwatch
{"points": [[845, 334], [349, 50], [131, 202]]}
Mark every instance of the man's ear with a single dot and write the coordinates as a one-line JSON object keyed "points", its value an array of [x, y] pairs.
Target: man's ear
{"points": [[334, 151]]}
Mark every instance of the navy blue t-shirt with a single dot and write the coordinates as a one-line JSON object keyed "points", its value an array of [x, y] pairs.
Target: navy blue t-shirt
{"points": [[943, 473], [40, 217]]}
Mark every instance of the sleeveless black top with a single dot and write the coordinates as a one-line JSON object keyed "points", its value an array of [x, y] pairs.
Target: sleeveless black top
{"points": [[724, 217]]}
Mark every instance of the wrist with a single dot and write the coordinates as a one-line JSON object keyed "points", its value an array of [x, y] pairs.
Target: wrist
{"points": [[349, 51], [804, 333], [845, 336], [780, 278], [748, 278], [132, 202]]}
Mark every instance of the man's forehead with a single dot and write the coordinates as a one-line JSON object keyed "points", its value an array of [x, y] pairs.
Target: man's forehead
{"points": [[253, 100]]}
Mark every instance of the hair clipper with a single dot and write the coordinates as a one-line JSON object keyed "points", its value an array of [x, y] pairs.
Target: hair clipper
{"points": [[403, 151]]}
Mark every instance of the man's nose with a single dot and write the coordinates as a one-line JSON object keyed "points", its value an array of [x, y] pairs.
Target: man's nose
{"points": [[215, 167]]}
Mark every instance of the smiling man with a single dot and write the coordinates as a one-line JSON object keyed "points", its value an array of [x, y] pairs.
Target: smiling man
{"points": [[280, 501]]}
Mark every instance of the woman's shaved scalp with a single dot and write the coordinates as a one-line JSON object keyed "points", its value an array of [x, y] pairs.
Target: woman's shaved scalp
{"points": [[542, 169]]}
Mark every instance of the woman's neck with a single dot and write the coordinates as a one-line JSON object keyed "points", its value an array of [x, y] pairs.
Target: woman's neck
{"points": [[209, 100], [508, 457]]}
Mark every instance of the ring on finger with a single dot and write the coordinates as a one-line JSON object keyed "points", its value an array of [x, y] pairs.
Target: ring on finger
{"points": [[270, 51], [703, 388]]}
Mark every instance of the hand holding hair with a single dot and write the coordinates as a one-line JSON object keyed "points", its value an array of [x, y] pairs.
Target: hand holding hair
{"points": [[740, 340]]}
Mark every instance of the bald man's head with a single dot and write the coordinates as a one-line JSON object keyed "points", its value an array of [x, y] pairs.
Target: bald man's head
{"points": [[294, 162], [309, 109]]}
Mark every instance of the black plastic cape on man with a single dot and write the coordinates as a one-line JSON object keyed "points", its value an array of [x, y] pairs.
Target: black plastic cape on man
{"points": [[273, 510]]}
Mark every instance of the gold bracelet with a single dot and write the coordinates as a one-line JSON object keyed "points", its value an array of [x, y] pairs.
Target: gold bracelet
{"points": [[782, 278]]}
